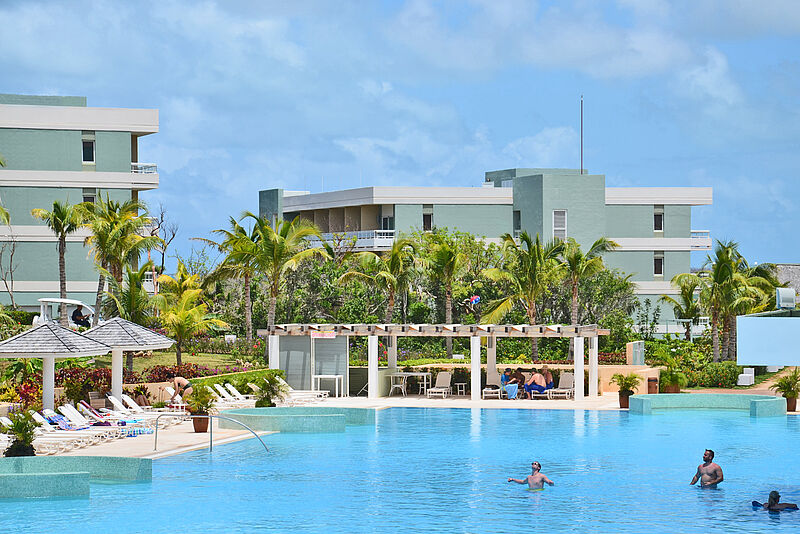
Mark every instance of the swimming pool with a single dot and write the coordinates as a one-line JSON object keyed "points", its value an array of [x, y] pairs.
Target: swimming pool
{"points": [[445, 470]]}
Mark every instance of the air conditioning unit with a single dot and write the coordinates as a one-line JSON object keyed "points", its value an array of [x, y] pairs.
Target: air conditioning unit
{"points": [[785, 298]]}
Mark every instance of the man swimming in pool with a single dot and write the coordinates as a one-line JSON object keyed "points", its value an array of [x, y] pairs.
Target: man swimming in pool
{"points": [[709, 473], [536, 480]]}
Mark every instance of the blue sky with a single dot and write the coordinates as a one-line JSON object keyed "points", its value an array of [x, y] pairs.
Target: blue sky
{"points": [[254, 95]]}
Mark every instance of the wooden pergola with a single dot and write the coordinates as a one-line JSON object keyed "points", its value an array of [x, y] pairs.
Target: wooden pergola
{"points": [[473, 331]]}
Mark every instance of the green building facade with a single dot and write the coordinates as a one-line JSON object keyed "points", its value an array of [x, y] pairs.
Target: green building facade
{"points": [[57, 148]]}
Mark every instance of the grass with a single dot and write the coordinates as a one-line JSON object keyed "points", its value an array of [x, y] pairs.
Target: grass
{"points": [[168, 358]]}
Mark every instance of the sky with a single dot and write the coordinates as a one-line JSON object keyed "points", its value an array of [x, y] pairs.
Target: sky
{"points": [[257, 94]]}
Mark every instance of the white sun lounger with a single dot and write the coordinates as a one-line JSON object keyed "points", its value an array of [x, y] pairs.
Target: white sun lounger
{"points": [[442, 386]]}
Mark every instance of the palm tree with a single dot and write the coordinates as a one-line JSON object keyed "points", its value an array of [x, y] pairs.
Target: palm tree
{"points": [[277, 251], [172, 289], [528, 268], [235, 243], [686, 306], [130, 300], [185, 318], [390, 271], [4, 216], [116, 237], [64, 219], [445, 264], [579, 266]]}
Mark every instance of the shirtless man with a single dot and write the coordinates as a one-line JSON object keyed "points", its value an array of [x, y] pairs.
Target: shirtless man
{"points": [[535, 383], [709, 473], [535, 480]]}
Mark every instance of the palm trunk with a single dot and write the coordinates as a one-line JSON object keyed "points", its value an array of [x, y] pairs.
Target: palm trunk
{"points": [[99, 299], [248, 310], [448, 317], [273, 299], [715, 334], [574, 318], [62, 279], [725, 338], [389, 308], [534, 340], [732, 346], [178, 360], [129, 361]]}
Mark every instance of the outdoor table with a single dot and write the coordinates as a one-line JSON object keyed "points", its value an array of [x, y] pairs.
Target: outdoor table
{"points": [[315, 381], [426, 378], [461, 388]]}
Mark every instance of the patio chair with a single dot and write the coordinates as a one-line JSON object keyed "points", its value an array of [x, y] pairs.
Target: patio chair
{"points": [[442, 386], [58, 443], [493, 379], [238, 396], [230, 399], [82, 438], [565, 389], [398, 383]]}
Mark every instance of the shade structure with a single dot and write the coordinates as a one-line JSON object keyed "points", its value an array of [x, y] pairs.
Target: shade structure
{"points": [[49, 341], [122, 335]]}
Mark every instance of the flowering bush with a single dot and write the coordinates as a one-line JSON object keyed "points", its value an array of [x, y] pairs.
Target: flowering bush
{"points": [[715, 375], [30, 393]]}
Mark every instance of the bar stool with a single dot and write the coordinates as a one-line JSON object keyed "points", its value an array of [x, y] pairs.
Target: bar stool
{"points": [[398, 382]]}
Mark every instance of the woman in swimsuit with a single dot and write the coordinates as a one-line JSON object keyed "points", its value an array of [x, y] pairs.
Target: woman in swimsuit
{"points": [[182, 387], [774, 504]]}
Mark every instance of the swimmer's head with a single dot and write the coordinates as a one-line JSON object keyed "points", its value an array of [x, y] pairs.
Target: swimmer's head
{"points": [[774, 497], [536, 466], [708, 455]]}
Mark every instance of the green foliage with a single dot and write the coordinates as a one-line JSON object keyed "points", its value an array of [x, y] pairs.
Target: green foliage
{"points": [[269, 390], [715, 375], [788, 385], [200, 400], [647, 317], [23, 428], [21, 316], [626, 383]]}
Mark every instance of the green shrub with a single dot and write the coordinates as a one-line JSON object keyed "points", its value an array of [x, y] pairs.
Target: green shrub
{"points": [[21, 316], [715, 375]]}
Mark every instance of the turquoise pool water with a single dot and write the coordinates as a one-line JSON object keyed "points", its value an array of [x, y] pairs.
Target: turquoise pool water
{"points": [[437, 470]]}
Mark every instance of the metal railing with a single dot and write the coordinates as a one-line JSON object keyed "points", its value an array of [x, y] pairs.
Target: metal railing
{"points": [[144, 168], [210, 429], [700, 239]]}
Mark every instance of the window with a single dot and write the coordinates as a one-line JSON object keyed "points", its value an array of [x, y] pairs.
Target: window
{"points": [[507, 183], [658, 263], [89, 194], [387, 223], [658, 218], [517, 220], [560, 224], [427, 217], [87, 140]]}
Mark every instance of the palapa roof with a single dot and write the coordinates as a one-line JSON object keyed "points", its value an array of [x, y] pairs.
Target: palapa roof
{"points": [[122, 334], [51, 339]]}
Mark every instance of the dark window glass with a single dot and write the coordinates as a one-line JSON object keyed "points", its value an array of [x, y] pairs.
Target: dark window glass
{"points": [[658, 222], [427, 222], [517, 220], [88, 151], [658, 266]]}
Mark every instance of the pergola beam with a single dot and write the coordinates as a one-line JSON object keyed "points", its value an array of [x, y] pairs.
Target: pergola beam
{"points": [[439, 330]]}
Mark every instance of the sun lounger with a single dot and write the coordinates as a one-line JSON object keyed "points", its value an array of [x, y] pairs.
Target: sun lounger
{"points": [[565, 389], [302, 392], [51, 443], [493, 379], [89, 435], [236, 395], [442, 386], [230, 399]]}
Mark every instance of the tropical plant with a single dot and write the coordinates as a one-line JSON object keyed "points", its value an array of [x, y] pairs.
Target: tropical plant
{"points": [[686, 307], [390, 271], [269, 390], [236, 242], [23, 428], [528, 268], [788, 385], [672, 375], [21, 369], [579, 266], [64, 219], [446, 264], [4, 216], [185, 318], [173, 288], [277, 251], [116, 238], [626, 383], [200, 401]]}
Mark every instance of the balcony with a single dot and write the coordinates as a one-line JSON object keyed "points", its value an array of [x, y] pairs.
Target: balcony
{"points": [[372, 240], [701, 239], [144, 168]]}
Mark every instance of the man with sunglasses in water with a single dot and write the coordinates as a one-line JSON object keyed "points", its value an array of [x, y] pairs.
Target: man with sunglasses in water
{"points": [[536, 480]]}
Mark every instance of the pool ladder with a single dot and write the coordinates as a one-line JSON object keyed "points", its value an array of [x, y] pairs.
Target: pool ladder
{"points": [[210, 429]]}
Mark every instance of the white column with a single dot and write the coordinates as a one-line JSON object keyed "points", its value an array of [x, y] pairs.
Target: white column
{"points": [[392, 352], [372, 367], [48, 382], [273, 350], [491, 355], [116, 372], [579, 368], [475, 367], [593, 371]]}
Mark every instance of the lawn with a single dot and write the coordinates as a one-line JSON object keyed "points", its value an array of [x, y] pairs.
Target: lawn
{"points": [[168, 358]]}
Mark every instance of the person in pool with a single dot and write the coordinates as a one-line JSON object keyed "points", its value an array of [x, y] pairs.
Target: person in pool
{"points": [[774, 504], [709, 473], [536, 480]]}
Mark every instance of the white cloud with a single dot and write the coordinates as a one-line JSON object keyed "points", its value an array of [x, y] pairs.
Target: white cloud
{"points": [[711, 81], [552, 147]]}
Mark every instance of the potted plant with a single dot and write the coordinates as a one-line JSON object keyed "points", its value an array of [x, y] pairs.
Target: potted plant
{"points": [[789, 387], [626, 384], [23, 428], [671, 377], [199, 403]]}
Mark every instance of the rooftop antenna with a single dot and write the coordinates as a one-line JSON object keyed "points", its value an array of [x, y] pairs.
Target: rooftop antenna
{"points": [[581, 134]]}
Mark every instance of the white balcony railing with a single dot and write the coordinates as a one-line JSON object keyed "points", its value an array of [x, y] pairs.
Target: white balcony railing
{"points": [[144, 168], [701, 239], [364, 239]]}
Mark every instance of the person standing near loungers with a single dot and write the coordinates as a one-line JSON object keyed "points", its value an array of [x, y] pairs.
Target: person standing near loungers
{"points": [[182, 387], [536, 480], [709, 473]]}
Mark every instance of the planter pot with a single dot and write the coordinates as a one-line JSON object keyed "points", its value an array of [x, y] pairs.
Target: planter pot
{"points": [[200, 424], [624, 399], [672, 388], [791, 404]]}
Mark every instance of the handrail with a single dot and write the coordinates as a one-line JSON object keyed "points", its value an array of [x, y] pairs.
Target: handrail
{"points": [[210, 429]]}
